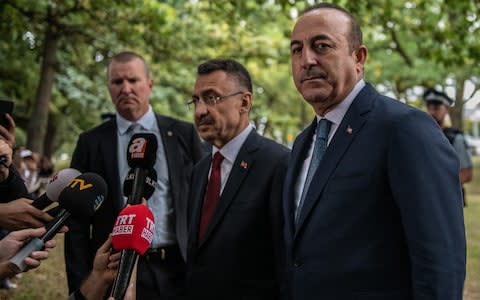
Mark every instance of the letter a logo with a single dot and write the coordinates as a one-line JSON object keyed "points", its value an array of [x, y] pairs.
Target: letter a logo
{"points": [[137, 148]]}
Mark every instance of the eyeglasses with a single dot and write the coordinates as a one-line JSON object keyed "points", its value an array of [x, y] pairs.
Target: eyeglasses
{"points": [[210, 100]]}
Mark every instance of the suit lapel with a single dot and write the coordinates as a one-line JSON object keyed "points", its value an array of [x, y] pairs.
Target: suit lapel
{"points": [[241, 167], [349, 128], [170, 148], [197, 194], [297, 157], [109, 143]]}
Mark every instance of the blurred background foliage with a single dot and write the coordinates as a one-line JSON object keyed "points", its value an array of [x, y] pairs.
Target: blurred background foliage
{"points": [[53, 57]]}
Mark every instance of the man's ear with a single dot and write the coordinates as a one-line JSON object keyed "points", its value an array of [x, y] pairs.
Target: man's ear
{"points": [[246, 102], [361, 55]]}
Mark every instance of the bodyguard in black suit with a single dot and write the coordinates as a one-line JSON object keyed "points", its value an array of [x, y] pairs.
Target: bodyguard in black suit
{"points": [[382, 217], [234, 243], [103, 150]]}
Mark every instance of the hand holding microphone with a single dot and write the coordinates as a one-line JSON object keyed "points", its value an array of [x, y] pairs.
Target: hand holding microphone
{"points": [[132, 233], [5, 159], [23, 213], [81, 198], [10, 244]]}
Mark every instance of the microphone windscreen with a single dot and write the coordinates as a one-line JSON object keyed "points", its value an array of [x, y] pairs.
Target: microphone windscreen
{"points": [[83, 195], [149, 186], [59, 181], [134, 229], [142, 150]]}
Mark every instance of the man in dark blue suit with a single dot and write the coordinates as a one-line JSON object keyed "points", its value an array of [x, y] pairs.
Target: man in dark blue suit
{"points": [[372, 198]]}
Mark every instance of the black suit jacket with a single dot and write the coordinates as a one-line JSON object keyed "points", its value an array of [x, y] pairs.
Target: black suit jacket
{"points": [[384, 216], [239, 255], [96, 152]]}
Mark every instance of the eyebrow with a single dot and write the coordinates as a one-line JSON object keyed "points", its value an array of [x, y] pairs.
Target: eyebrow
{"points": [[207, 91], [312, 39]]}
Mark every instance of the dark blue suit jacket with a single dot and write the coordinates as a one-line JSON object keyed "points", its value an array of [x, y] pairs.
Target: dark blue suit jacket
{"points": [[240, 254], [384, 216]]}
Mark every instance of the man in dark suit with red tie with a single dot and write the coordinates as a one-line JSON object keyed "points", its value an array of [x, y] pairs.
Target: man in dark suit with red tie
{"points": [[235, 204], [382, 216]]}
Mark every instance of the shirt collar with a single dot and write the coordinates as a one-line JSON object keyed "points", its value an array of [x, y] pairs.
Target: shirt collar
{"points": [[148, 122], [338, 112], [230, 150]]}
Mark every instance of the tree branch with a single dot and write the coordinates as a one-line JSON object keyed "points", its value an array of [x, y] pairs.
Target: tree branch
{"points": [[400, 49]]}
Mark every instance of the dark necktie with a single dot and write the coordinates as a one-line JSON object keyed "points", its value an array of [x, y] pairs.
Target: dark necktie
{"points": [[323, 128], [212, 195]]}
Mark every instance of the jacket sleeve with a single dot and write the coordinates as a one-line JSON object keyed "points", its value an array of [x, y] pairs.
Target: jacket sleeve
{"points": [[13, 187], [423, 174]]}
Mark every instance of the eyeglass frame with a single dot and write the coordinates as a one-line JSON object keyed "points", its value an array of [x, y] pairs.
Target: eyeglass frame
{"points": [[212, 100]]}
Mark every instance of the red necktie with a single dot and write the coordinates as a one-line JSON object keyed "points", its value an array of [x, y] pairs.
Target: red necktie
{"points": [[212, 195]]}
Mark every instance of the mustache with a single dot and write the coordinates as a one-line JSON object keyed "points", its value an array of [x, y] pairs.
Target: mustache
{"points": [[125, 97], [313, 73], [203, 120]]}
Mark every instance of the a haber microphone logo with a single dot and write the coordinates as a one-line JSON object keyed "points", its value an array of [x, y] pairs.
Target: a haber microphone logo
{"points": [[137, 148]]}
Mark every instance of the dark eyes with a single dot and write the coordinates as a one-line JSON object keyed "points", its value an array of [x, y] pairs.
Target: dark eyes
{"points": [[321, 46], [318, 47], [120, 81]]}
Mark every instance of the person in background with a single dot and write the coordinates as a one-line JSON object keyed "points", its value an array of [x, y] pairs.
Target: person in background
{"points": [[103, 150], [372, 197], [438, 106], [234, 244]]}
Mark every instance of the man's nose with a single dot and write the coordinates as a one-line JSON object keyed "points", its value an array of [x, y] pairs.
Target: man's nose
{"points": [[201, 108], [308, 57], [126, 87]]}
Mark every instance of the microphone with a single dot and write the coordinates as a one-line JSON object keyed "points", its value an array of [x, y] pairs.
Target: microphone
{"points": [[149, 187], [54, 186], [80, 198], [141, 156], [132, 234]]}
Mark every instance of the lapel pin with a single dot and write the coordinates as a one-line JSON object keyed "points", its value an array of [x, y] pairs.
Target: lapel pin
{"points": [[169, 133], [349, 129], [244, 164]]}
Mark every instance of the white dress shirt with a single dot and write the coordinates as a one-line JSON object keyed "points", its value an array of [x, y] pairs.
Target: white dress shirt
{"points": [[230, 151], [335, 116]]}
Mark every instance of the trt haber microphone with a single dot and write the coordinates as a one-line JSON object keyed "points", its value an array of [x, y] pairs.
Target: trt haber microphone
{"points": [[132, 234], [141, 156], [55, 185], [80, 198], [149, 187]]}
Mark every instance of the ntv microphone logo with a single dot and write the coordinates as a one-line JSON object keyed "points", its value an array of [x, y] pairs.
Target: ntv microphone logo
{"points": [[137, 148]]}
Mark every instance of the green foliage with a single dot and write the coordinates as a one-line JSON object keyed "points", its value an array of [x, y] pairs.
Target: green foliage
{"points": [[411, 44]]}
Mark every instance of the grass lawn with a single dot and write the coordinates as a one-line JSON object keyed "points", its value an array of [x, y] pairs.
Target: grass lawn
{"points": [[49, 281], [472, 224]]}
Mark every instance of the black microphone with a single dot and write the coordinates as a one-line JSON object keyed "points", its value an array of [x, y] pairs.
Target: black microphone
{"points": [[55, 185], [141, 156], [80, 198], [149, 187]]}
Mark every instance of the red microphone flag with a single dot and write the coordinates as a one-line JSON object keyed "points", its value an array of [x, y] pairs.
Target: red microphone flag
{"points": [[134, 229]]}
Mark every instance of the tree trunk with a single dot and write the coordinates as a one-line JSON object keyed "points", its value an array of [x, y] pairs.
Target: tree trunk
{"points": [[37, 126], [456, 113], [50, 137]]}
